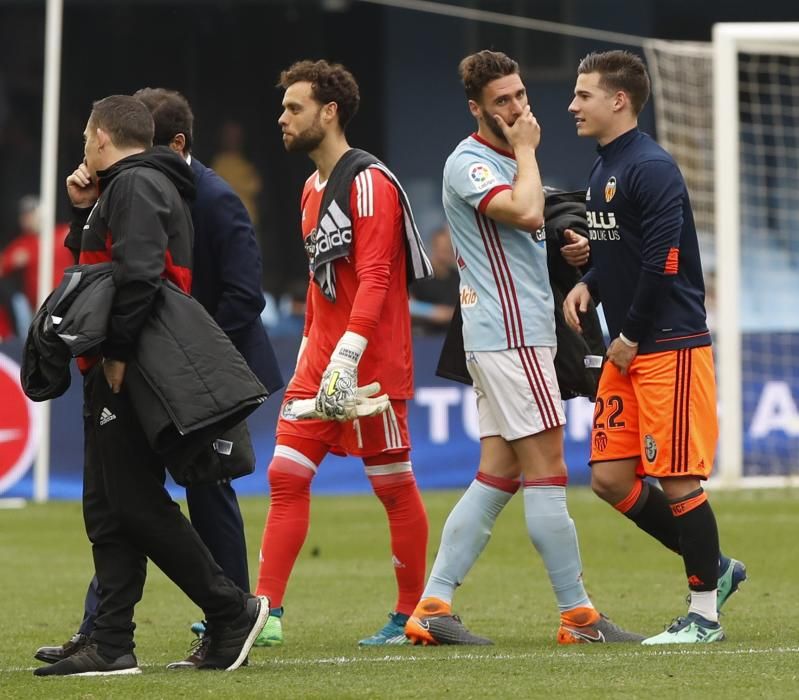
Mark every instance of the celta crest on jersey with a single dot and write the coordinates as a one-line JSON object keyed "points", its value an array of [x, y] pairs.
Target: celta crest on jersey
{"points": [[610, 189], [310, 246]]}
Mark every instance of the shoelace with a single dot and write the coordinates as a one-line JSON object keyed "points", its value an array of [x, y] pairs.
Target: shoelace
{"points": [[676, 624], [83, 651], [91, 652], [86, 650], [199, 644]]}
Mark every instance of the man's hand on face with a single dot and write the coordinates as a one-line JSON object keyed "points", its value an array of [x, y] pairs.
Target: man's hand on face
{"points": [[525, 131], [81, 190]]}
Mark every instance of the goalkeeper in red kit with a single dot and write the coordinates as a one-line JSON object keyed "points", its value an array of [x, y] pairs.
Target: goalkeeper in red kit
{"points": [[354, 370]]}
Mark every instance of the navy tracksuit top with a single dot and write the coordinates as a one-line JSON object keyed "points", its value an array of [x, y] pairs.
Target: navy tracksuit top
{"points": [[646, 267]]}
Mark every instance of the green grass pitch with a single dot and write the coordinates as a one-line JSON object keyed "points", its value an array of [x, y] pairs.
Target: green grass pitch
{"points": [[343, 587]]}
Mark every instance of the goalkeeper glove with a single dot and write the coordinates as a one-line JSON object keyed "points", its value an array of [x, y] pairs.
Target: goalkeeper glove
{"points": [[366, 404], [338, 397]]}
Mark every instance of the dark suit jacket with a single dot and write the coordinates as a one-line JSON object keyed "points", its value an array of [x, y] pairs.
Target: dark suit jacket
{"points": [[227, 272]]}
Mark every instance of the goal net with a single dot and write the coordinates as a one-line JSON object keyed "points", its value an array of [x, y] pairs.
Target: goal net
{"points": [[729, 113]]}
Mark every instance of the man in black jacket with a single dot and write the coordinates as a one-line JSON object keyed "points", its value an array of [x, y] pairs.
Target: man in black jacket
{"points": [[141, 224], [226, 280]]}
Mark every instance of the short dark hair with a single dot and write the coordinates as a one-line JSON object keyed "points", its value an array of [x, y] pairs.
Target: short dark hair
{"points": [[171, 113], [619, 70], [479, 69], [126, 120], [330, 82]]}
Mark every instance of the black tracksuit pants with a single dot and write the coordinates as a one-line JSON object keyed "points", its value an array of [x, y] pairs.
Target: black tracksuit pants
{"points": [[130, 517], [215, 514]]}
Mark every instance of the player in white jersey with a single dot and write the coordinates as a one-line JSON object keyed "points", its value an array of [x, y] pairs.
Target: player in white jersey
{"points": [[506, 299], [494, 204]]}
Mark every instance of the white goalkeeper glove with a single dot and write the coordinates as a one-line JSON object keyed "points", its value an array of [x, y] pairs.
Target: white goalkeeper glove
{"points": [[366, 404], [337, 398]]}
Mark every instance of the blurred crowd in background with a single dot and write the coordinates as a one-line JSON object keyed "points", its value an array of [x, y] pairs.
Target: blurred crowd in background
{"points": [[432, 301], [225, 56]]}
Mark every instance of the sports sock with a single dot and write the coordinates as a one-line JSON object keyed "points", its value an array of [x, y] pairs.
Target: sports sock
{"points": [[395, 486], [553, 534], [648, 507], [466, 533], [286, 523], [704, 603], [699, 543]]}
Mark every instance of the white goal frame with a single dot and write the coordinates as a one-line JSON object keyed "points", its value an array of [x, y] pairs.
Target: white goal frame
{"points": [[730, 39]]}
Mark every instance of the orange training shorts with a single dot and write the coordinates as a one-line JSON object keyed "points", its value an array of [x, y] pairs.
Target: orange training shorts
{"points": [[663, 412]]}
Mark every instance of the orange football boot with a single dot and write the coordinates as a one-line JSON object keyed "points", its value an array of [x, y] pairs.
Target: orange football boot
{"points": [[433, 623], [589, 626]]}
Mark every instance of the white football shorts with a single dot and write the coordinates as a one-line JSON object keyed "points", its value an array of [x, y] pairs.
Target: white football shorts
{"points": [[517, 391]]}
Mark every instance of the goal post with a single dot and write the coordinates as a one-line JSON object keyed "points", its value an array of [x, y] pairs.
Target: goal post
{"points": [[729, 112], [756, 157], [726, 157]]}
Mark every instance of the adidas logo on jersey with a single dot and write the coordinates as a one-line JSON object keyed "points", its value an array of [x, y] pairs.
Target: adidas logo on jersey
{"points": [[335, 230], [106, 416], [327, 241]]}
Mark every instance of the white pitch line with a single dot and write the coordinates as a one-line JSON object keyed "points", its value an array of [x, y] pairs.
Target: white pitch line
{"points": [[343, 660], [346, 660]]}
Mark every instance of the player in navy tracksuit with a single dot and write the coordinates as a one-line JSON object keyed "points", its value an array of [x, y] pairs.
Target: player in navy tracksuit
{"points": [[655, 412]]}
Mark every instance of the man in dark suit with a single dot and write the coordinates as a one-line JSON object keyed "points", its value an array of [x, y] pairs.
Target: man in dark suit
{"points": [[227, 282]]}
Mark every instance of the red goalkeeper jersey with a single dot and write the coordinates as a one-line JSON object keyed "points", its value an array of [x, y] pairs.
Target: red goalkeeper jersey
{"points": [[371, 291]]}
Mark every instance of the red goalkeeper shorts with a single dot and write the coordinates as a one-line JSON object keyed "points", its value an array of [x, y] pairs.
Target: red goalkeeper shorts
{"points": [[364, 437]]}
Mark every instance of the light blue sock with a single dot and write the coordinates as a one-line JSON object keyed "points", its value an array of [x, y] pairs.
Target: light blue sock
{"points": [[465, 535], [552, 532]]}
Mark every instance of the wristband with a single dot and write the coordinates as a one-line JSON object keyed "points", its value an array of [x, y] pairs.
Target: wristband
{"points": [[349, 349], [629, 343]]}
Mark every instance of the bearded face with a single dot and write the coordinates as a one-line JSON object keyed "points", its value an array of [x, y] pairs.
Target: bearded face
{"points": [[493, 125], [301, 120], [307, 139]]}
